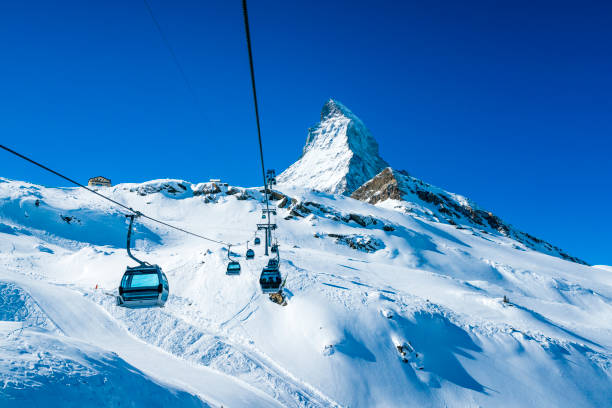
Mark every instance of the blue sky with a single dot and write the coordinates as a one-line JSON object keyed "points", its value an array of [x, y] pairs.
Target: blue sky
{"points": [[508, 104]]}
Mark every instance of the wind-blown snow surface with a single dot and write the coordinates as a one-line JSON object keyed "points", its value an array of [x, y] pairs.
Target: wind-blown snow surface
{"points": [[385, 308], [339, 156]]}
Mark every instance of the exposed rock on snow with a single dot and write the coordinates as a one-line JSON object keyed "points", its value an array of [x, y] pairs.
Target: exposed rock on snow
{"points": [[68, 219], [383, 186], [363, 243], [206, 189], [170, 187], [340, 154], [364, 221]]}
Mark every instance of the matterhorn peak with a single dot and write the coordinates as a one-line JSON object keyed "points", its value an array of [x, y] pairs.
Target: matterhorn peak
{"points": [[334, 108], [339, 156]]}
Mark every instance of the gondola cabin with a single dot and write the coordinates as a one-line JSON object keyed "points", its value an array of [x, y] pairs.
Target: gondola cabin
{"points": [[274, 248], [270, 280], [143, 286], [273, 263], [257, 241], [233, 268], [250, 254]]}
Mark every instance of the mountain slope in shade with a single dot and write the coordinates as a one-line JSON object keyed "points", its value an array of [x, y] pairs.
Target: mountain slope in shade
{"points": [[399, 190], [339, 156]]}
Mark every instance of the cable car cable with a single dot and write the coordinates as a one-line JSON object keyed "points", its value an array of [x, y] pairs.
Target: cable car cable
{"points": [[261, 155], [166, 42]]}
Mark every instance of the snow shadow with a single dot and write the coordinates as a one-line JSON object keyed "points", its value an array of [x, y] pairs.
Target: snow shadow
{"points": [[334, 286], [547, 321], [439, 341], [439, 232], [419, 243], [348, 267], [351, 347], [7, 229]]}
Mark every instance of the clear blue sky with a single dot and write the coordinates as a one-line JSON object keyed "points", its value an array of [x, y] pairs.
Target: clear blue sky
{"points": [[508, 103]]}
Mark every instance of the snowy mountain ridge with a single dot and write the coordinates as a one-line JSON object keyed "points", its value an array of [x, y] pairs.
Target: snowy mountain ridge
{"points": [[339, 156], [403, 192]]}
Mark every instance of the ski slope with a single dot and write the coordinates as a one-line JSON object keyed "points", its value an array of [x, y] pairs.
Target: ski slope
{"points": [[399, 311], [78, 318]]}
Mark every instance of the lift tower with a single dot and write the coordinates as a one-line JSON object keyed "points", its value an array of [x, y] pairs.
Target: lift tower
{"points": [[268, 228]]}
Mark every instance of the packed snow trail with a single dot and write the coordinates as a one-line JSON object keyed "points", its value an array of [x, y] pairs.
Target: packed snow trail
{"points": [[78, 317]]}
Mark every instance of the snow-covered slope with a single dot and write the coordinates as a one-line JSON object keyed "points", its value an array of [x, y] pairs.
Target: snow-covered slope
{"points": [[41, 366], [339, 156], [385, 308]]}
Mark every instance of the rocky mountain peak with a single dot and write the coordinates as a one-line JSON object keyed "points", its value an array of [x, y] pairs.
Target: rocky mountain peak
{"points": [[334, 108], [340, 154]]}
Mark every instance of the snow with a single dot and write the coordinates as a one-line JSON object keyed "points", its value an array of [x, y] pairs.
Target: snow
{"points": [[41, 369], [78, 318], [340, 154], [415, 320]]}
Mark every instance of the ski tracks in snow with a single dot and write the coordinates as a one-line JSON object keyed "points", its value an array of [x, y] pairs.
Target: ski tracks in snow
{"points": [[79, 318]]}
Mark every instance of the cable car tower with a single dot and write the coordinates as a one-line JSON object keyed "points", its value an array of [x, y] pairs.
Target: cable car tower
{"points": [[267, 212], [271, 178], [268, 228]]}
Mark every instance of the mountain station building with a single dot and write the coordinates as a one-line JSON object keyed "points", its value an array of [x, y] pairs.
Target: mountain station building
{"points": [[99, 182]]}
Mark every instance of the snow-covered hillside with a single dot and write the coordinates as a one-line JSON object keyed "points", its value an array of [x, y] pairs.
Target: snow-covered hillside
{"points": [[339, 156], [385, 308]]}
